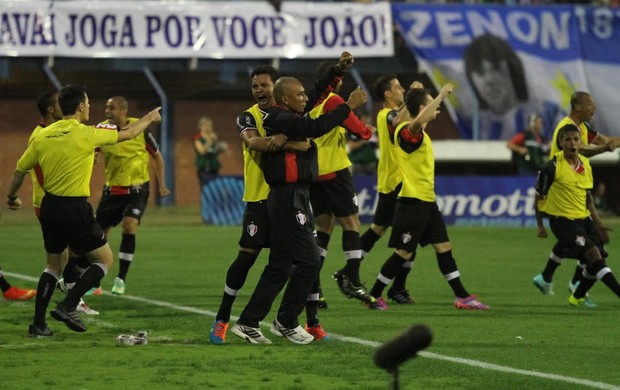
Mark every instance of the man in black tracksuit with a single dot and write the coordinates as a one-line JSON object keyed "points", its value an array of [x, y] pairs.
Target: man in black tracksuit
{"points": [[289, 174]]}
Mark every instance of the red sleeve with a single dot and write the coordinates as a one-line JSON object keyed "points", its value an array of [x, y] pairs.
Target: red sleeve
{"points": [[518, 139], [330, 88], [409, 137], [352, 123], [592, 135]]}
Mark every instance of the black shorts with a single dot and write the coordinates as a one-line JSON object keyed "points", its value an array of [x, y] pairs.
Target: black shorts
{"points": [[113, 208], [255, 233], [69, 221], [575, 237], [293, 236], [386, 205], [334, 196], [417, 222]]}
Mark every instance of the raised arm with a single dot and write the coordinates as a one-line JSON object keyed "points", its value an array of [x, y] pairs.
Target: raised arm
{"points": [[430, 111], [326, 83], [136, 128]]}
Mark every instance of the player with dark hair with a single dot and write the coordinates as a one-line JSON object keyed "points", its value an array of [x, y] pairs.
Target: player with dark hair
{"points": [[582, 109], [294, 255], [417, 217], [562, 195], [13, 293], [65, 152], [255, 232], [387, 88], [333, 194], [126, 192], [49, 109]]}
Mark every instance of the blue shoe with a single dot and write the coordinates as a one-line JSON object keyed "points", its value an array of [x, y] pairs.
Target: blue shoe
{"points": [[218, 332], [544, 287]]}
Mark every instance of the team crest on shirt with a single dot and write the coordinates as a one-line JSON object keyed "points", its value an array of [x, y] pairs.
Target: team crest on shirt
{"points": [[301, 218], [406, 237], [252, 229], [580, 240]]}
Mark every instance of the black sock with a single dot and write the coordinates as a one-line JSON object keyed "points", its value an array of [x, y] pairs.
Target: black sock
{"points": [[352, 248], [585, 285], [235, 279], [45, 290], [72, 271], [312, 313], [447, 266], [400, 281], [578, 275], [387, 273], [89, 279], [323, 242], [125, 255], [608, 278], [4, 284], [369, 239], [553, 262]]}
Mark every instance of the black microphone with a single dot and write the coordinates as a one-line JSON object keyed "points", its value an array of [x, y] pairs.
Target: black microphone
{"points": [[391, 354]]}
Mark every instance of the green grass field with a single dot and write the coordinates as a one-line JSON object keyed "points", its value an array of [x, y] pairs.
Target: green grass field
{"points": [[526, 340]]}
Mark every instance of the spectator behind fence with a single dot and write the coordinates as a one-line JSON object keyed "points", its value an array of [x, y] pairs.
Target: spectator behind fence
{"points": [[208, 150], [529, 148]]}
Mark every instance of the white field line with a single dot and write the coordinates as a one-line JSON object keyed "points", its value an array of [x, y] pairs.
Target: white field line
{"points": [[429, 355]]}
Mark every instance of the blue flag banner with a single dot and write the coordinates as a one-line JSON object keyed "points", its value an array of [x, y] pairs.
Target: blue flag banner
{"points": [[509, 62]]}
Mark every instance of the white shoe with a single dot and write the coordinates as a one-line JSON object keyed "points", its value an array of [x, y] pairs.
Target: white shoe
{"points": [[250, 334], [82, 307], [296, 335], [275, 331]]}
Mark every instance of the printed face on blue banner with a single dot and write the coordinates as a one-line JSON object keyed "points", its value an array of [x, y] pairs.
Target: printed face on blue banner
{"points": [[509, 62]]}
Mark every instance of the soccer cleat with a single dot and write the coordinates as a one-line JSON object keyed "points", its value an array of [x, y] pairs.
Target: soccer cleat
{"points": [[19, 294], [378, 304], [572, 287], [544, 287], [119, 286], [318, 332], [469, 303], [295, 335], [82, 307], [218, 332], [250, 334], [37, 332], [69, 317], [401, 297], [350, 290], [95, 291], [585, 302]]}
